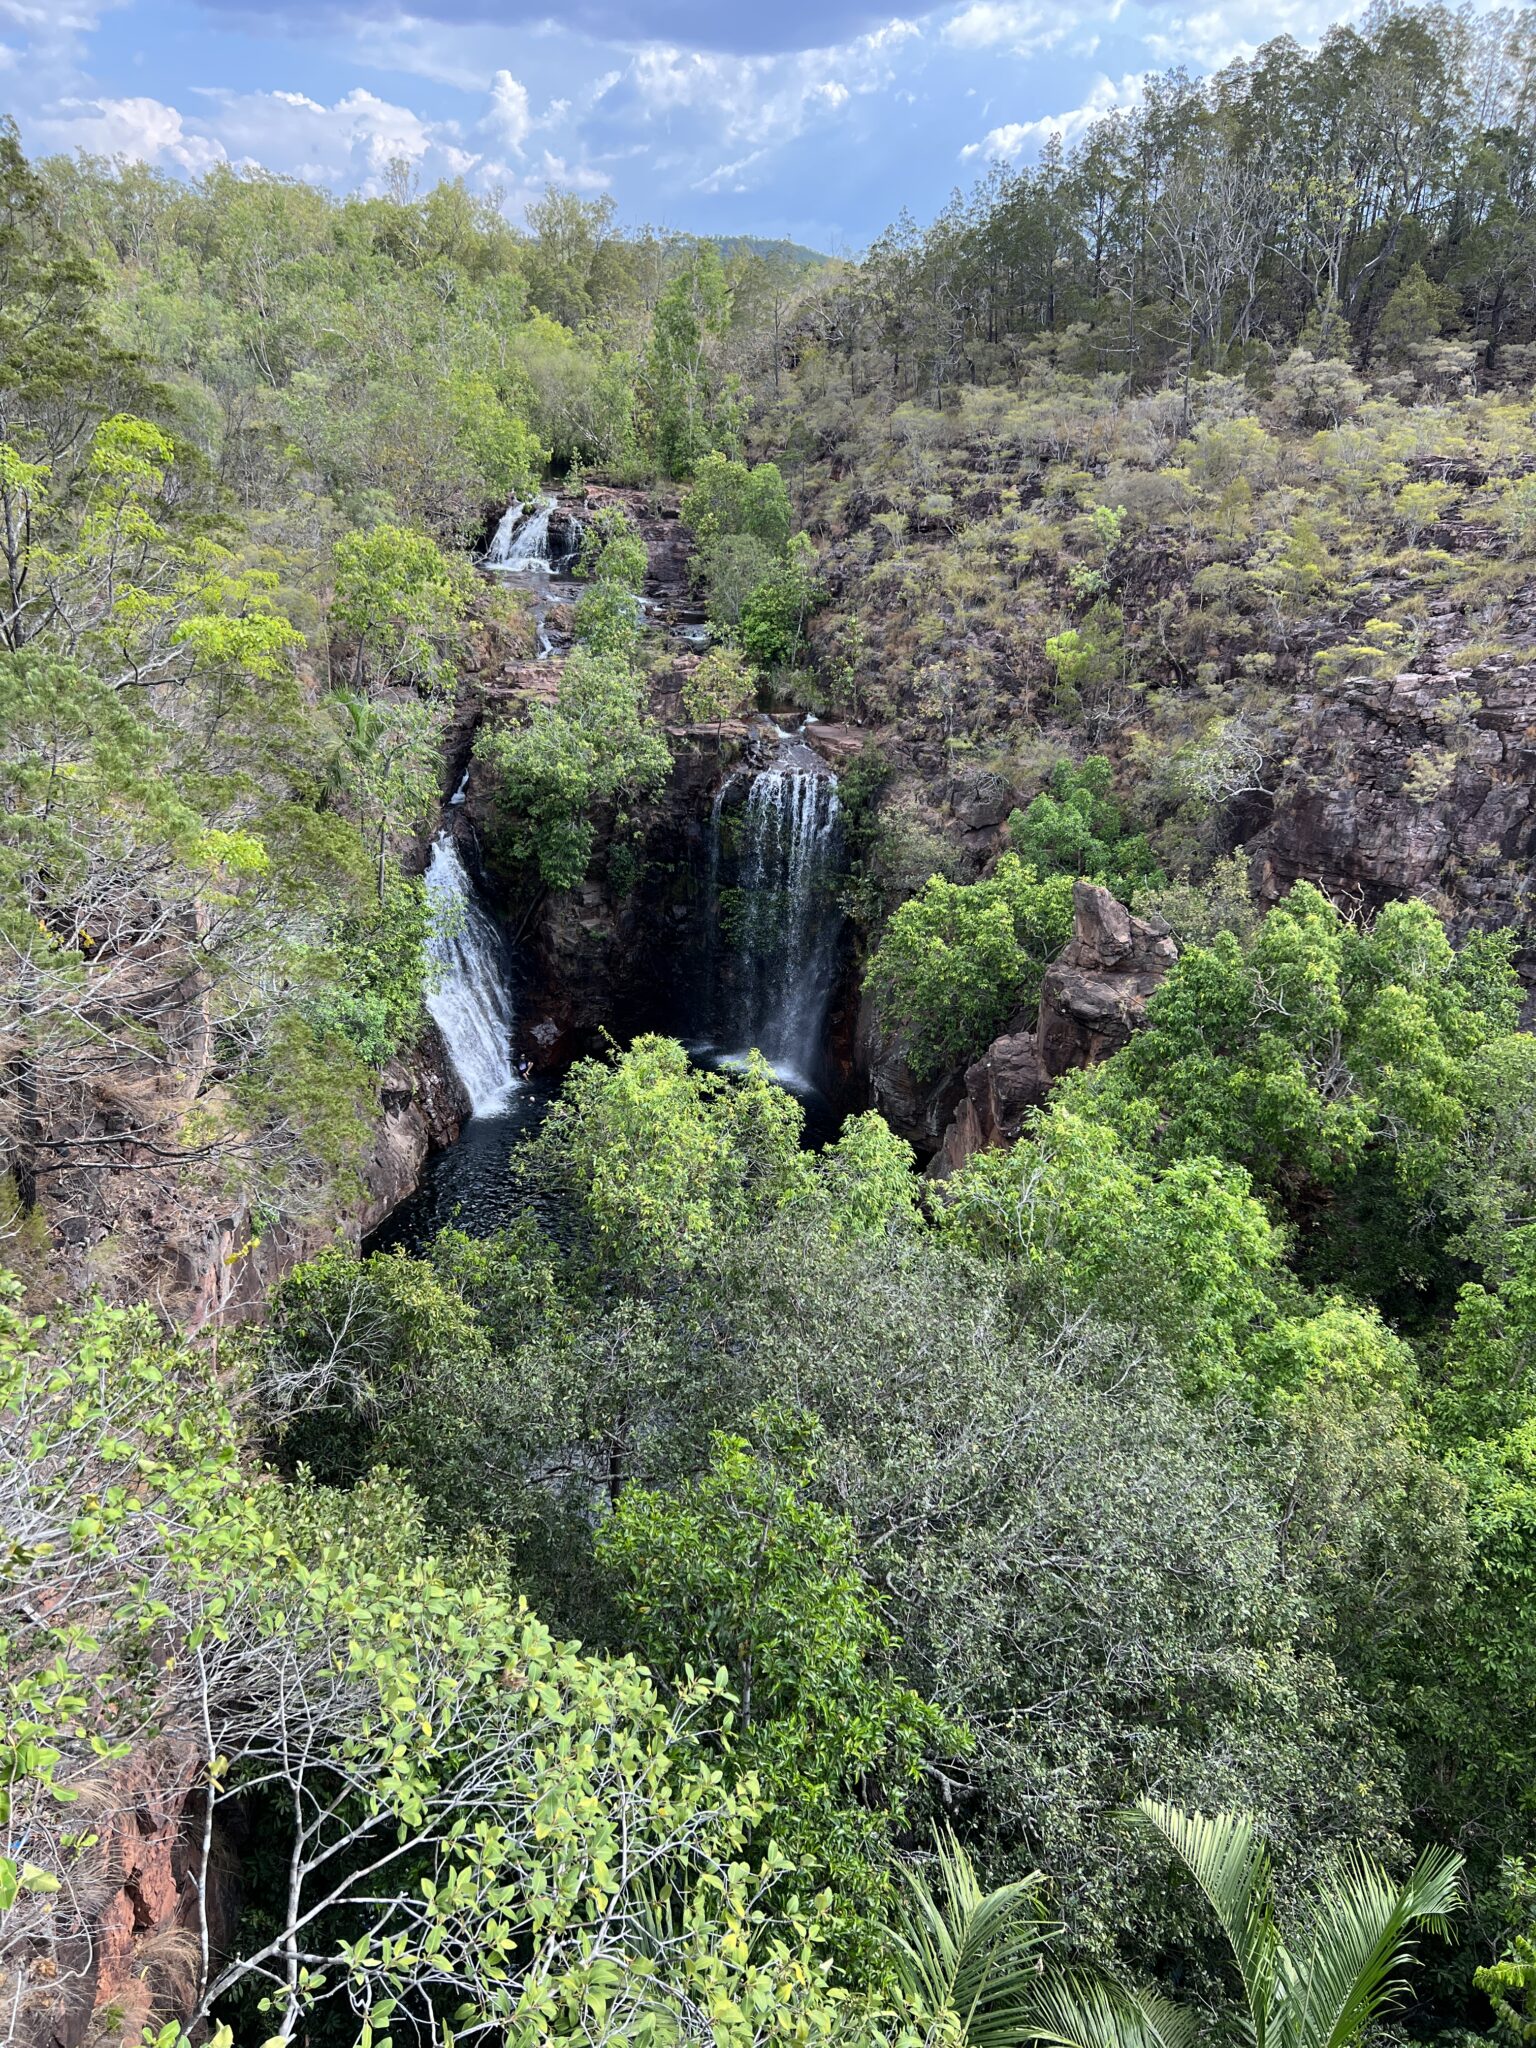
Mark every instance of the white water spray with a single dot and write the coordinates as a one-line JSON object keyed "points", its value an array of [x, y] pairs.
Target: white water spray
{"points": [[786, 931], [470, 1000], [521, 541]]}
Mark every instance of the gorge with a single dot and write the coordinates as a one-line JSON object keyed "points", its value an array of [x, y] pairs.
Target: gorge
{"points": [[766, 1107]]}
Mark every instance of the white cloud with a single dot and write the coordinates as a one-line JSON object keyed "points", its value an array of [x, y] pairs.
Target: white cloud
{"points": [[577, 177], [7, 56], [509, 119], [1214, 36], [349, 144], [762, 100], [731, 177], [356, 139], [1016, 139], [988, 24], [144, 129], [25, 14]]}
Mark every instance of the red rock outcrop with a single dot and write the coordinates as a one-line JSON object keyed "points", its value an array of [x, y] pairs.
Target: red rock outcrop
{"points": [[1092, 999], [132, 1958], [152, 1233]]}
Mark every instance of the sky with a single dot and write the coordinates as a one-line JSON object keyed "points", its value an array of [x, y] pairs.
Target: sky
{"points": [[813, 119]]}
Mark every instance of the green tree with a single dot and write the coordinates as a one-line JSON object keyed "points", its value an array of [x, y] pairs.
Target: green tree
{"points": [[959, 960], [1075, 827], [661, 1161], [607, 621], [372, 977], [729, 497], [399, 598], [1297, 1054], [1510, 1984], [776, 612], [612, 550], [384, 765], [972, 1957], [1185, 1255], [739, 565], [717, 686], [741, 1571], [1416, 312], [593, 746], [457, 1805], [691, 400]]}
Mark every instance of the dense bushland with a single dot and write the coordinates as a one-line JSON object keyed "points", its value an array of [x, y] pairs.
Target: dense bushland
{"points": [[764, 1595]]}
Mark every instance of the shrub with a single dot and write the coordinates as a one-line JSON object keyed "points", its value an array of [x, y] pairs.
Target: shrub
{"points": [[1075, 828], [957, 961]]}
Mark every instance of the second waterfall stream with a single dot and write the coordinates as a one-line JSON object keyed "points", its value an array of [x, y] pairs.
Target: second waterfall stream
{"points": [[778, 923], [470, 998]]}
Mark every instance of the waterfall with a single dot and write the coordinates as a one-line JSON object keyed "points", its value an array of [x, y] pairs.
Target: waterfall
{"points": [[469, 1000], [784, 922], [521, 541]]}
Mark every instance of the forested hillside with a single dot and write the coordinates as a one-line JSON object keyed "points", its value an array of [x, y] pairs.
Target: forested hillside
{"points": [[768, 1174]]}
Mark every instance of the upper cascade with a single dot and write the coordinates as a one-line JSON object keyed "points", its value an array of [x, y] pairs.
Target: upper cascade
{"points": [[521, 541]]}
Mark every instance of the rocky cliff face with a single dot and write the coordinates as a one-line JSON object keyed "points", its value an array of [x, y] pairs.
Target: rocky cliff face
{"points": [[1093, 998], [134, 1959], [149, 1232], [1412, 785], [628, 948]]}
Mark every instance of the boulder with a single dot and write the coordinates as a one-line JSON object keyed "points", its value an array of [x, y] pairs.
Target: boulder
{"points": [[838, 744], [1093, 998], [979, 800], [1000, 1090], [1095, 995]]}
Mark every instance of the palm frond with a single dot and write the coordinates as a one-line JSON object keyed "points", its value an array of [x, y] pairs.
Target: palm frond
{"points": [[1364, 1934], [971, 1952], [1223, 1855], [1081, 2009]]}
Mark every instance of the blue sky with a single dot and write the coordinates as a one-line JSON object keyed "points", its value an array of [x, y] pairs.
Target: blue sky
{"points": [[817, 121]]}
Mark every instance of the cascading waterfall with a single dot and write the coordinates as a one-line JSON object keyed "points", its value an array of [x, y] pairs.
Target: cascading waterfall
{"points": [[521, 541], [784, 923], [470, 1000]]}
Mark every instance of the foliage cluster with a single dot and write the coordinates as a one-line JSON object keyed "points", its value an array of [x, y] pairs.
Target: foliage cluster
{"points": [[957, 961]]}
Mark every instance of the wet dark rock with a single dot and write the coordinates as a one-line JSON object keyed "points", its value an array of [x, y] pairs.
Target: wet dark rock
{"points": [[564, 543], [916, 1110]]}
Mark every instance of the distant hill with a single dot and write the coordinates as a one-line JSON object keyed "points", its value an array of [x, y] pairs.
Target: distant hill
{"points": [[792, 253]]}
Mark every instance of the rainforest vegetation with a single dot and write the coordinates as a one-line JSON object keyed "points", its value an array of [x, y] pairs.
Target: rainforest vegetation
{"points": [[764, 1593]]}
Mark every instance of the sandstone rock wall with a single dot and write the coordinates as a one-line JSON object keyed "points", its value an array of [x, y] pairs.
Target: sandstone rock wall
{"points": [[148, 1232], [1411, 785], [134, 1959]]}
